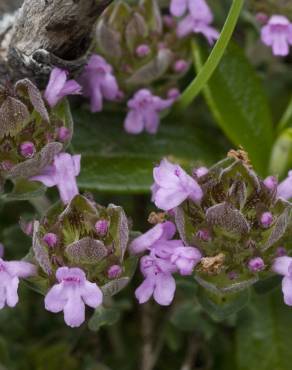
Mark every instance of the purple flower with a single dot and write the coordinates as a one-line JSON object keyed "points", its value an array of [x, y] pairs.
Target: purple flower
{"points": [[284, 189], [10, 272], [98, 82], [144, 110], [160, 232], [197, 8], [62, 173], [277, 34], [185, 259], [173, 186], [158, 282], [58, 87], [283, 266], [197, 21], [158, 241], [71, 294], [256, 264], [27, 149]]}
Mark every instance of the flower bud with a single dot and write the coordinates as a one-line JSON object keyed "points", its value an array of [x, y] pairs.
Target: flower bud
{"points": [[142, 50], [256, 264], [50, 239], [204, 235], [101, 227], [266, 219], [63, 134], [201, 171], [173, 93], [114, 272], [27, 149], [180, 66], [281, 251]]}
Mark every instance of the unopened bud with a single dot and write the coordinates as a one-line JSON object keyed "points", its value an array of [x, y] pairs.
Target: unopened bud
{"points": [[50, 239], [27, 149], [101, 227], [114, 272]]}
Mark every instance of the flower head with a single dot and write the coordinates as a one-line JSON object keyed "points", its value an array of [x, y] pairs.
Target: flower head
{"points": [[173, 186], [62, 173], [98, 82], [158, 282], [71, 294], [144, 110], [10, 272], [58, 87], [277, 34]]}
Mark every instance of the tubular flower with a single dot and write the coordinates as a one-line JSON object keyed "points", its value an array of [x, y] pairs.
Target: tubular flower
{"points": [[59, 86], [71, 294], [62, 173], [277, 34], [144, 109], [283, 266], [173, 186], [10, 272], [98, 82]]}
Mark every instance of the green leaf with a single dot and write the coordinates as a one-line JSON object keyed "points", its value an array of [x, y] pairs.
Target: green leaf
{"points": [[263, 336], [219, 307], [114, 161], [238, 103], [103, 316]]}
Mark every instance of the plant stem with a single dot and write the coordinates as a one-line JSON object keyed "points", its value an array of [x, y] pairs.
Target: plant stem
{"points": [[191, 353], [147, 362], [214, 58]]}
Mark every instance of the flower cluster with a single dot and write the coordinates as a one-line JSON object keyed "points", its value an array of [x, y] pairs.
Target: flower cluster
{"points": [[32, 133], [80, 252], [166, 256], [231, 225]]}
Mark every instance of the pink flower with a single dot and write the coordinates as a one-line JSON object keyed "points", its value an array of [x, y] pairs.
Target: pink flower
{"points": [[173, 186], [144, 112], [284, 189], [62, 173], [158, 282], [158, 241], [283, 266], [197, 8], [198, 19], [185, 259], [160, 232], [98, 82], [277, 34], [10, 272], [58, 87], [71, 295]]}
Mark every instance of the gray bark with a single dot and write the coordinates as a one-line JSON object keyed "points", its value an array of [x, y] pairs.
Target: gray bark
{"points": [[48, 33]]}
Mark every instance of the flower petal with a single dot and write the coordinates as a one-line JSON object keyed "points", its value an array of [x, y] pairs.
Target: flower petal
{"points": [[164, 289], [91, 294]]}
